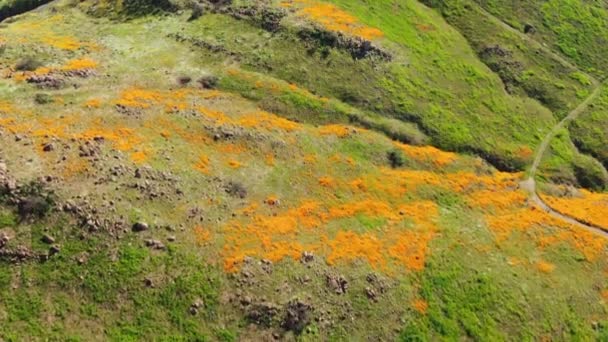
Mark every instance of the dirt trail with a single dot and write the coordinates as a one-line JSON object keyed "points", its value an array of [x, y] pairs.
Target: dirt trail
{"points": [[530, 183]]}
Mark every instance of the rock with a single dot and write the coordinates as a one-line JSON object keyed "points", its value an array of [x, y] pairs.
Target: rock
{"points": [[297, 316], [529, 29], [196, 306], [46, 81], [54, 250], [82, 259], [371, 294], [140, 227], [148, 282], [46, 238], [4, 239], [262, 314], [208, 81], [338, 284], [155, 244], [171, 238], [48, 147], [307, 257]]}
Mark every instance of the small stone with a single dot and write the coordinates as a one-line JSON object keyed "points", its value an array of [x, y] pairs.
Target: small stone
{"points": [[54, 250], [307, 257], [140, 227], [46, 238], [171, 238], [371, 294], [48, 147]]}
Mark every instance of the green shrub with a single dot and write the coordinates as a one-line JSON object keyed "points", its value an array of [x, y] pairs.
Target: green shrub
{"points": [[396, 158]]}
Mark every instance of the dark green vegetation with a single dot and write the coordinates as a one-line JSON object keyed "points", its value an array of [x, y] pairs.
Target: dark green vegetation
{"points": [[9, 8], [590, 132]]}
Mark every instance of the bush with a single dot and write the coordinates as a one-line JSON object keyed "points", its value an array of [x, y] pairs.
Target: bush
{"points": [[208, 81], [35, 201], [28, 64], [396, 158], [43, 98], [236, 189], [145, 7], [197, 11], [184, 80]]}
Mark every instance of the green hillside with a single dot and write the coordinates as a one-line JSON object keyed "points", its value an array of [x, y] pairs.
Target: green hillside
{"points": [[302, 170]]}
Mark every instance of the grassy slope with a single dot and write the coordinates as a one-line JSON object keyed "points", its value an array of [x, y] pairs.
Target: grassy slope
{"points": [[450, 101], [590, 132], [576, 28], [475, 283], [527, 68]]}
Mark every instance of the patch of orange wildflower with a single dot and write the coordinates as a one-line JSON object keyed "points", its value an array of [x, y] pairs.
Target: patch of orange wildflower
{"points": [[75, 167], [428, 154], [268, 121], [340, 131], [369, 207], [269, 159], [590, 207], [93, 103], [334, 19], [420, 305], [235, 164], [349, 246], [80, 64], [545, 267], [202, 165], [327, 182], [202, 235], [139, 157]]}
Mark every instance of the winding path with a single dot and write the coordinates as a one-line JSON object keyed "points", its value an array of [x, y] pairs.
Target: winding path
{"points": [[530, 183]]}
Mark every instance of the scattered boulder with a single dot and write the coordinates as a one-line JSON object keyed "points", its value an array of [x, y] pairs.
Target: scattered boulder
{"points": [[46, 238], [55, 249], [208, 81], [184, 80], [82, 258], [46, 81], [338, 284], [20, 253], [307, 257], [48, 147], [236, 189], [148, 282], [154, 244], [371, 294], [4, 239], [262, 314], [297, 316], [140, 227], [529, 29]]}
